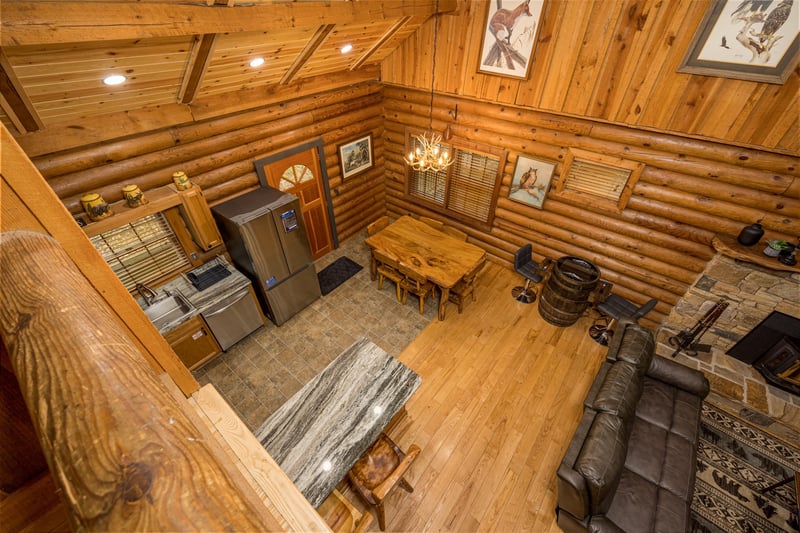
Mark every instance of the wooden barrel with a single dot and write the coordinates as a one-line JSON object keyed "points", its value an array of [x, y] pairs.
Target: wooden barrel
{"points": [[565, 295]]}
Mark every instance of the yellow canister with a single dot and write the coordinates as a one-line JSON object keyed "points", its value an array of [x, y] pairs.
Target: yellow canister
{"points": [[181, 181], [133, 195], [95, 206]]}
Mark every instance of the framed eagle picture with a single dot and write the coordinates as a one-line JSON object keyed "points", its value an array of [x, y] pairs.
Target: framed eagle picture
{"points": [[509, 37], [746, 40]]}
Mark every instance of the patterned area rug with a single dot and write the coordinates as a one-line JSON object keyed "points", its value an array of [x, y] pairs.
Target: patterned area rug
{"points": [[735, 461], [337, 273]]}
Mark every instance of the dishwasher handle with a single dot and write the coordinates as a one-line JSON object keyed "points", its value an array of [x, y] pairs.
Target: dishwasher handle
{"points": [[238, 297]]}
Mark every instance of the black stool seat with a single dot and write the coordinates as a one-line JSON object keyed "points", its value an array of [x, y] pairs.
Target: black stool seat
{"points": [[614, 308], [529, 269]]}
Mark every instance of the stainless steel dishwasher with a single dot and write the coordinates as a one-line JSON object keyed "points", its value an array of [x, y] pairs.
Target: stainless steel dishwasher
{"points": [[234, 318]]}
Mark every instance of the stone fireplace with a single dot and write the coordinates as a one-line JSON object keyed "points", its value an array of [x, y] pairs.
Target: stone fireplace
{"points": [[753, 292]]}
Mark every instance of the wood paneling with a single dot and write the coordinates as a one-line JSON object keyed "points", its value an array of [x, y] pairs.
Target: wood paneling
{"points": [[614, 61], [218, 154], [660, 242]]}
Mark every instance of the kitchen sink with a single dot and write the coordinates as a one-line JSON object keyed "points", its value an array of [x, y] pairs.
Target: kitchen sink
{"points": [[171, 310]]}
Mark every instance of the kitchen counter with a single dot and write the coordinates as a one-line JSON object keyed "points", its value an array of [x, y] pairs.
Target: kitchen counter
{"points": [[205, 299], [321, 431]]}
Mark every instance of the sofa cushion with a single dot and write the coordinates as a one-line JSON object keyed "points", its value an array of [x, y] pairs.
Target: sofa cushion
{"points": [[601, 459], [635, 345], [641, 506], [660, 457], [670, 408], [620, 391]]}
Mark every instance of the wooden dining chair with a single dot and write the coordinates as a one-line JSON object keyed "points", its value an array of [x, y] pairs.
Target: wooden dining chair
{"points": [[379, 470], [432, 222], [416, 283], [388, 267], [465, 286], [377, 225], [342, 516], [455, 232]]}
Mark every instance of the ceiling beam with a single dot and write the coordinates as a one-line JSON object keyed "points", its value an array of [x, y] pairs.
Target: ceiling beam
{"points": [[315, 42], [380, 42], [14, 101], [46, 22], [196, 67]]}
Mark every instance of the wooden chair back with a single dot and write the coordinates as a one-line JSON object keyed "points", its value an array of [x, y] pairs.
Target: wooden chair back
{"points": [[455, 232], [388, 267], [377, 225], [415, 283], [342, 516], [381, 469], [466, 286], [432, 222]]}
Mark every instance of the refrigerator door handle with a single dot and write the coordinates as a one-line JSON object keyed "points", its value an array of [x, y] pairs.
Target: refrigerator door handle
{"points": [[237, 298]]}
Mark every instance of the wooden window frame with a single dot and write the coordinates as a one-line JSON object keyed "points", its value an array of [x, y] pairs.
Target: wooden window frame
{"points": [[634, 169], [453, 146]]}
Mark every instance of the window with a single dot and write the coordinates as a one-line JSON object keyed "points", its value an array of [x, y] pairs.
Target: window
{"points": [[601, 181], [466, 189], [142, 251]]}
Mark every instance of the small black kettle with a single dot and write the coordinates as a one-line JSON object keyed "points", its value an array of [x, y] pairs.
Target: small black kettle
{"points": [[751, 234]]}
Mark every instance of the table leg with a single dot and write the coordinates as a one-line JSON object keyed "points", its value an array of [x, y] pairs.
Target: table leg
{"points": [[444, 296]]}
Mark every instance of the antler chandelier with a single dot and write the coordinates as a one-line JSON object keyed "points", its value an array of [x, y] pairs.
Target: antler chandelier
{"points": [[427, 152]]}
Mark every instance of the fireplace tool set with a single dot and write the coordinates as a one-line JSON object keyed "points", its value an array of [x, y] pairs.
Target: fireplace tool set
{"points": [[688, 340]]}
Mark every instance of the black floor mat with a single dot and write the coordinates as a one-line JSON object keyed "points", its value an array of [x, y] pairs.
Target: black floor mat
{"points": [[337, 273]]}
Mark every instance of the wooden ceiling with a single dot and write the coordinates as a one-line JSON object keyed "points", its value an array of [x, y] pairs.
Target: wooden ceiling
{"points": [[55, 54]]}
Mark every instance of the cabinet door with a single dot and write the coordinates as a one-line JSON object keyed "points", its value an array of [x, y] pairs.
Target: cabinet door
{"points": [[198, 218], [193, 343]]}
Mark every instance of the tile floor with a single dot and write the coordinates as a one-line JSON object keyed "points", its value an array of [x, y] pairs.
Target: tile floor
{"points": [[259, 373]]}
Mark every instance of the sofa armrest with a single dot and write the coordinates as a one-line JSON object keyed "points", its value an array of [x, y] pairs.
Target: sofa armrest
{"points": [[573, 494], [678, 375]]}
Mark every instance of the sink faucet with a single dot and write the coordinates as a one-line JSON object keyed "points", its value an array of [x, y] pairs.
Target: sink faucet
{"points": [[147, 293]]}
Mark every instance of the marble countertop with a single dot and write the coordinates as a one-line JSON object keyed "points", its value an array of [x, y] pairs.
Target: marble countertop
{"points": [[206, 299], [321, 431]]}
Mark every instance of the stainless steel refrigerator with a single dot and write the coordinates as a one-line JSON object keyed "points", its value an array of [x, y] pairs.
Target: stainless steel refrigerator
{"points": [[266, 237]]}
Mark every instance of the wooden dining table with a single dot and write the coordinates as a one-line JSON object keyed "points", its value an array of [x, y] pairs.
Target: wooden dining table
{"points": [[442, 259]]}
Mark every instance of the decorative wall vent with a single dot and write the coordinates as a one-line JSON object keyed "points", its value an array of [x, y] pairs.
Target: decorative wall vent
{"points": [[598, 180]]}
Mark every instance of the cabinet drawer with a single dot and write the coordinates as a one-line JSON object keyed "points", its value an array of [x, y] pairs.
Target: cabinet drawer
{"points": [[193, 343]]}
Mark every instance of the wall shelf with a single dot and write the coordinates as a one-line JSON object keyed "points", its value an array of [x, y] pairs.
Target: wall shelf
{"points": [[728, 245]]}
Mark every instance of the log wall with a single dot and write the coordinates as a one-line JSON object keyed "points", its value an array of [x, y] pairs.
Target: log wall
{"points": [[218, 154], [659, 244], [609, 60]]}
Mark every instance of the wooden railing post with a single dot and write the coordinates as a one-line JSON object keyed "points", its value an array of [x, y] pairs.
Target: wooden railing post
{"points": [[119, 447]]}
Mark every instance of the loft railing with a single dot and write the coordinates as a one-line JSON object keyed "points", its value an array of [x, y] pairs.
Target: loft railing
{"points": [[120, 449]]}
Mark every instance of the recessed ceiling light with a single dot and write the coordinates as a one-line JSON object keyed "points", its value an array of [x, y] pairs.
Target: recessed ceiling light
{"points": [[346, 48], [256, 62], [114, 79]]}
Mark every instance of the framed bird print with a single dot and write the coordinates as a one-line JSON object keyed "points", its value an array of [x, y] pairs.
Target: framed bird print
{"points": [[754, 40], [509, 37], [531, 180]]}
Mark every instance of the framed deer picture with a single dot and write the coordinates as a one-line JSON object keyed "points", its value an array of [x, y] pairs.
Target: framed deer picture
{"points": [[509, 37], [531, 180]]}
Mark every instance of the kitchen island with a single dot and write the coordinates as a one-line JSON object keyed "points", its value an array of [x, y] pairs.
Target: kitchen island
{"points": [[321, 431]]}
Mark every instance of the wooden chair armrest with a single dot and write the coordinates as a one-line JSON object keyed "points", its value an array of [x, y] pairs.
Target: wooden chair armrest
{"points": [[381, 490], [363, 523]]}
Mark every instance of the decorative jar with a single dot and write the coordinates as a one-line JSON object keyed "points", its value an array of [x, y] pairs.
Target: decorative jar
{"points": [[133, 195], [751, 234], [181, 181], [95, 206]]}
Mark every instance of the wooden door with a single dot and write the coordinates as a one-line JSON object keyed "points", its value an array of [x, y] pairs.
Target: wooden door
{"points": [[300, 174]]}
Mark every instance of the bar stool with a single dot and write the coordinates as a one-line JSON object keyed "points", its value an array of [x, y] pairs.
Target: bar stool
{"points": [[525, 265], [614, 308]]}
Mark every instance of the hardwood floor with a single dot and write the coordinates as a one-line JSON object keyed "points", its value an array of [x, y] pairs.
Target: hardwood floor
{"points": [[501, 395]]}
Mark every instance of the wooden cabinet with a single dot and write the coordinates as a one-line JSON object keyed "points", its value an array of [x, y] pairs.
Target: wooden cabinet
{"points": [[193, 342], [198, 218]]}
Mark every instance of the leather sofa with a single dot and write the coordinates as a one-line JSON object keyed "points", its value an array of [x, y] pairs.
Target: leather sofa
{"points": [[630, 466]]}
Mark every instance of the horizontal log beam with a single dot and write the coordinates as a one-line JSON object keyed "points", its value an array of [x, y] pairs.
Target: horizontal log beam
{"points": [[26, 23]]}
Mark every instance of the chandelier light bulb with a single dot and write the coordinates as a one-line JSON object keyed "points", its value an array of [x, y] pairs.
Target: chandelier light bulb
{"points": [[428, 154]]}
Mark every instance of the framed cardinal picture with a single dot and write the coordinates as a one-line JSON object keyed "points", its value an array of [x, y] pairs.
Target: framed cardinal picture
{"points": [[509, 37], [746, 40]]}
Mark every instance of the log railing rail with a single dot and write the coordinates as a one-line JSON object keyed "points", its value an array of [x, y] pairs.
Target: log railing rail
{"points": [[121, 450]]}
